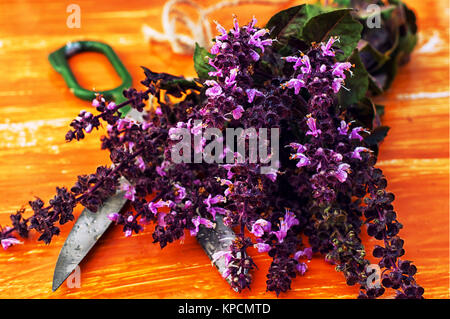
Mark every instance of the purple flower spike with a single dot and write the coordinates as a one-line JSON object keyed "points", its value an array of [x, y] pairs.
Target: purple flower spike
{"points": [[311, 122]]}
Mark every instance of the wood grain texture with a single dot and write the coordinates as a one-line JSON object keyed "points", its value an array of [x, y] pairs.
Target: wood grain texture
{"points": [[37, 107]]}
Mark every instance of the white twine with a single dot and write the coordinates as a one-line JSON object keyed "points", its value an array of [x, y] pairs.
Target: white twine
{"points": [[200, 30]]}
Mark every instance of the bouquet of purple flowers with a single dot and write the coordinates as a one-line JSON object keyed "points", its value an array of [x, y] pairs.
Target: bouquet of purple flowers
{"points": [[296, 95]]}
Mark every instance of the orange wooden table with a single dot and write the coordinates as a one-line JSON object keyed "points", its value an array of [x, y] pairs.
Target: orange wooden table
{"points": [[36, 108]]}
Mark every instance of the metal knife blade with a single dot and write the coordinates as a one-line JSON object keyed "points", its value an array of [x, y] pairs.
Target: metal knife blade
{"points": [[83, 236], [214, 240]]}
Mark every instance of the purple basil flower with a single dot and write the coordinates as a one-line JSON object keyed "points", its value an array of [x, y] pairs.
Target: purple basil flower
{"points": [[153, 207], [8, 242], [343, 128], [128, 233], [306, 68], [261, 226], [227, 255], [231, 79], [342, 172], [214, 90], [337, 84], [251, 93], [141, 163], [197, 221], [299, 148], [111, 106], [303, 160], [288, 221], [326, 48], [223, 32], [95, 102], [311, 122], [307, 252], [262, 247], [114, 217], [297, 84], [340, 67], [237, 112], [213, 200], [130, 192], [356, 152], [355, 133], [301, 267], [180, 192]]}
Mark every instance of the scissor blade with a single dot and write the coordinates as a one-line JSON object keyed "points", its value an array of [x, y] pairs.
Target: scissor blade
{"points": [[215, 240], [88, 228]]}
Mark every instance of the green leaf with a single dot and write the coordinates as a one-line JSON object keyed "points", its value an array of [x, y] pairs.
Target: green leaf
{"points": [[363, 112], [334, 23], [374, 87], [201, 59], [289, 23], [372, 56], [377, 135], [343, 3], [380, 109], [357, 84]]}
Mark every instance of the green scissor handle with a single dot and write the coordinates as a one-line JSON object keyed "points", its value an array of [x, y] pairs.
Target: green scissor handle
{"points": [[58, 59]]}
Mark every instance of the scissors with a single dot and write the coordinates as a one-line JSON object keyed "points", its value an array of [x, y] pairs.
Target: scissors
{"points": [[90, 226]]}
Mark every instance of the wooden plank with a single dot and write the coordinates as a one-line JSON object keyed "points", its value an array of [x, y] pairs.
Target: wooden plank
{"points": [[37, 108]]}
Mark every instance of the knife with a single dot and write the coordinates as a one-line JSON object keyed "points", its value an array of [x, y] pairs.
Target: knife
{"points": [[90, 226]]}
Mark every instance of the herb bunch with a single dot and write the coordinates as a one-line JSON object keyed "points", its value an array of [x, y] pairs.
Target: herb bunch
{"points": [[325, 187]]}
